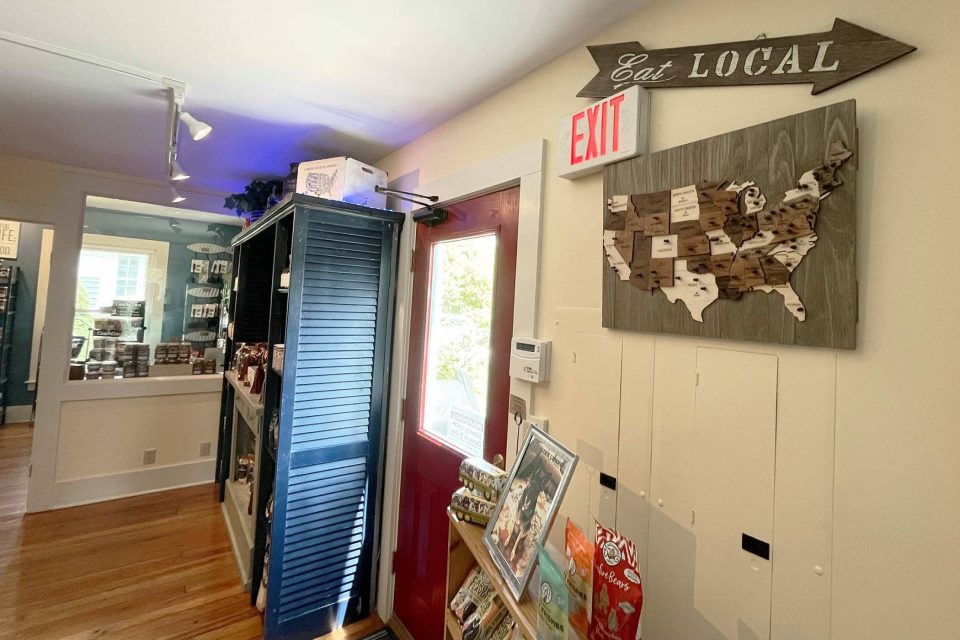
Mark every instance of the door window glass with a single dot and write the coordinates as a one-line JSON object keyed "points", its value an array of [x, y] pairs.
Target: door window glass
{"points": [[458, 342]]}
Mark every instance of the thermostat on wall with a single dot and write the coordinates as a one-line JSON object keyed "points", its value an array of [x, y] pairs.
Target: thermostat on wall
{"points": [[530, 359]]}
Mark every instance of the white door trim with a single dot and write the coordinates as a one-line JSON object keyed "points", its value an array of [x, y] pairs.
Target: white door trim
{"points": [[524, 166], [40, 308]]}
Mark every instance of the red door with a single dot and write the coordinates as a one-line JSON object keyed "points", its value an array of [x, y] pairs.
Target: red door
{"points": [[458, 386]]}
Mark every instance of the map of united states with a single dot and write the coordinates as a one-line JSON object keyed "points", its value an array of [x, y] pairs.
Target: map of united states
{"points": [[698, 243]]}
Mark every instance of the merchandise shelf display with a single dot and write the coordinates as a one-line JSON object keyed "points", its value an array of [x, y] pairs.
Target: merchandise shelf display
{"points": [[310, 323], [466, 550]]}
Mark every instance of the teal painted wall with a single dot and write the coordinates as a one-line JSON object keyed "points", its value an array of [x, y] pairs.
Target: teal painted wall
{"points": [[128, 225], [28, 259]]}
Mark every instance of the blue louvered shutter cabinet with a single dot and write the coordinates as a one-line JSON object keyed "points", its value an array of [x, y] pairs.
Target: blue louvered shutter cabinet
{"points": [[335, 321]]}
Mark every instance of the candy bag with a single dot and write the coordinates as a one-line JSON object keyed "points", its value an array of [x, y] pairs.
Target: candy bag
{"points": [[579, 553], [617, 593], [475, 592], [553, 605], [505, 630], [484, 621]]}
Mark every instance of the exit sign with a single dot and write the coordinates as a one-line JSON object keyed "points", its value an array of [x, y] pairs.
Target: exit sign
{"points": [[607, 131]]}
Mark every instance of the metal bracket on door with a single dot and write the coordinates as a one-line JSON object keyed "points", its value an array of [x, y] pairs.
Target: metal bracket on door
{"points": [[429, 215]]}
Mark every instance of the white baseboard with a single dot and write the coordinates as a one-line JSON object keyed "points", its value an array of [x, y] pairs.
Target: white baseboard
{"points": [[18, 413], [73, 493]]}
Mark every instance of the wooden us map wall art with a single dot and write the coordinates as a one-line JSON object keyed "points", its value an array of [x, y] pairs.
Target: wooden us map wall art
{"points": [[748, 235], [825, 59]]}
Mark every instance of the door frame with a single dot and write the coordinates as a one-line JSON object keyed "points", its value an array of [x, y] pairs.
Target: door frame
{"points": [[521, 166]]}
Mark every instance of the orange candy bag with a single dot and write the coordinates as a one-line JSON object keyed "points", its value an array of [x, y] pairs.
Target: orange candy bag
{"points": [[579, 552], [617, 594]]}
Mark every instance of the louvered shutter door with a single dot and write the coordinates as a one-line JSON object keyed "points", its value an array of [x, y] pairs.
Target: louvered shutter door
{"points": [[332, 418]]}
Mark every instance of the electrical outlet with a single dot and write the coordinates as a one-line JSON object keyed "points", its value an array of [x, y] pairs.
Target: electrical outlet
{"points": [[204, 449], [149, 456]]}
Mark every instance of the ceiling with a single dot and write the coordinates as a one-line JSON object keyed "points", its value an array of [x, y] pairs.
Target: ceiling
{"points": [[279, 81]]}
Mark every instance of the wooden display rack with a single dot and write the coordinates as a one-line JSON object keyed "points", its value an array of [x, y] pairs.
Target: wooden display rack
{"points": [[465, 550]]}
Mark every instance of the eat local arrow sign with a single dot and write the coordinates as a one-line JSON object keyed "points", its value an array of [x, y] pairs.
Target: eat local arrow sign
{"points": [[825, 59]]}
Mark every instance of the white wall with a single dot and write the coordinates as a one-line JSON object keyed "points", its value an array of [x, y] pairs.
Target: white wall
{"points": [[53, 194], [174, 425], [873, 484]]}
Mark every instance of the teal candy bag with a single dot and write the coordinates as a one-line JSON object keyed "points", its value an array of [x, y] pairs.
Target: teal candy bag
{"points": [[553, 606]]}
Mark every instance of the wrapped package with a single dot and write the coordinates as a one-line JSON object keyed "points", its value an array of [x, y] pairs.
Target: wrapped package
{"points": [[484, 621], [617, 593], [470, 507], [475, 591], [553, 603], [504, 630], [483, 478], [579, 554]]}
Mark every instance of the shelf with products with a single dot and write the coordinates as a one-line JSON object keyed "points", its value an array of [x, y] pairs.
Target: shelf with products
{"points": [[273, 391], [111, 346], [241, 481], [205, 294], [292, 266], [466, 550]]}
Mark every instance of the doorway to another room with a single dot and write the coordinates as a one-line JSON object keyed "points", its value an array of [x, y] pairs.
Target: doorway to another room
{"points": [[25, 250]]}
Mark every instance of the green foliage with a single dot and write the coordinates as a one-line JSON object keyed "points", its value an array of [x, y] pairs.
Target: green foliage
{"points": [[465, 310], [254, 198]]}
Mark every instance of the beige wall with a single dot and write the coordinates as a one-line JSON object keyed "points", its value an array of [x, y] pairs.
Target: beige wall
{"points": [[53, 194], [174, 425], [880, 466]]}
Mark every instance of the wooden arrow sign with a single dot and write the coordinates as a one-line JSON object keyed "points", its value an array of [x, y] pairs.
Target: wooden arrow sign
{"points": [[825, 59]]}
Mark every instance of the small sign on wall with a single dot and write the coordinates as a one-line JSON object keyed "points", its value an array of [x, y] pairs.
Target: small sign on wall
{"points": [[9, 239], [610, 130]]}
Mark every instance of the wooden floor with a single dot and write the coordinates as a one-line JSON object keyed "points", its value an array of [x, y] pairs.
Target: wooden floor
{"points": [[143, 568]]}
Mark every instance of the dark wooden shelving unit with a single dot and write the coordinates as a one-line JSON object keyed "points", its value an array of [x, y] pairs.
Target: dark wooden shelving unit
{"points": [[336, 321]]}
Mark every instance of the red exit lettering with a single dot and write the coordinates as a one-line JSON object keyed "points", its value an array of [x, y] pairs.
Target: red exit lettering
{"points": [[597, 131]]}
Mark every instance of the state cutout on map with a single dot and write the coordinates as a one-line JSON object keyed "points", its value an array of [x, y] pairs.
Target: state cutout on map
{"points": [[696, 291], [663, 246]]}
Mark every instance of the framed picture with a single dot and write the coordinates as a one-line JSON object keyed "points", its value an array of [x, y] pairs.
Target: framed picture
{"points": [[527, 507]]}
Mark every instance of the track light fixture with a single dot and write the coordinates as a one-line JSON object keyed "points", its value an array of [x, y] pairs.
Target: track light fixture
{"points": [[175, 196], [198, 130], [176, 171]]}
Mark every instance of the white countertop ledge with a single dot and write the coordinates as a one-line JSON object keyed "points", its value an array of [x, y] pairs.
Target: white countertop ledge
{"points": [[141, 387]]}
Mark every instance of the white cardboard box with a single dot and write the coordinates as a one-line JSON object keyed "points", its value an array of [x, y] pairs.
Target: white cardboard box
{"points": [[342, 179]]}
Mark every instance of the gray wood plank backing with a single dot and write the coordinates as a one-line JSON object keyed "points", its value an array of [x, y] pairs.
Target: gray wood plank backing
{"points": [[774, 155]]}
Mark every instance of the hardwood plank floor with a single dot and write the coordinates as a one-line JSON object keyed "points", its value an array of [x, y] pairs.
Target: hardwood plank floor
{"points": [[153, 567], [150, 567]]}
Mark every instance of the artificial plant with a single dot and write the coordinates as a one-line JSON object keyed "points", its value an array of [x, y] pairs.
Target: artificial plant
{"points": [[255, 196]]}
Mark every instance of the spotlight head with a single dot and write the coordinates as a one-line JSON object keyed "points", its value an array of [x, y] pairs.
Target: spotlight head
{"points": [[177, 172], [175, 196], [198, 130]]}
